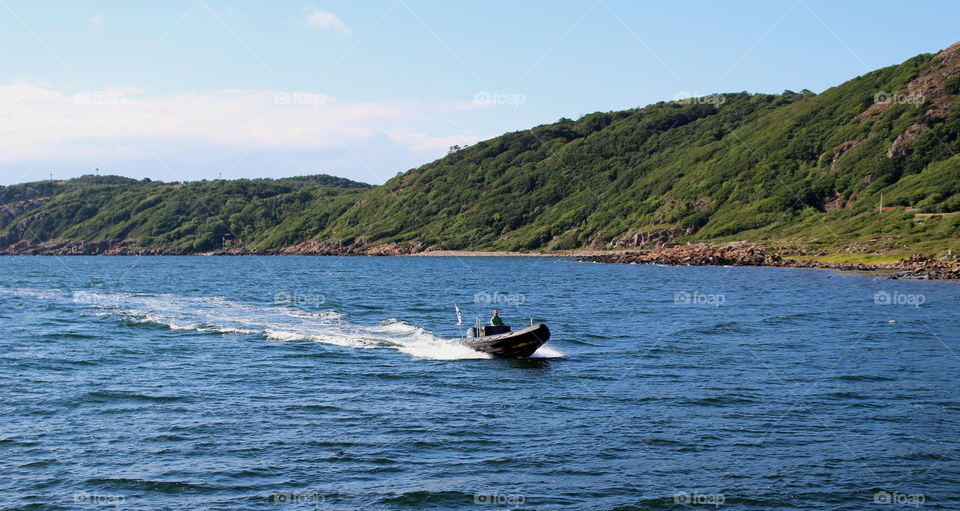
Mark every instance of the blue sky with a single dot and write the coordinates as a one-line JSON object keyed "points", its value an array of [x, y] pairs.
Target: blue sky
{"points": [[190, 90]]}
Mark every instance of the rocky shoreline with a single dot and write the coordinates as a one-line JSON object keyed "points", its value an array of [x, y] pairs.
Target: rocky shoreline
{"points": [[695, 254], [748, 254], [127, 248]]}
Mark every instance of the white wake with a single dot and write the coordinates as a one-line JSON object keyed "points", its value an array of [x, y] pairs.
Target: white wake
{"points": [[274, 322]]}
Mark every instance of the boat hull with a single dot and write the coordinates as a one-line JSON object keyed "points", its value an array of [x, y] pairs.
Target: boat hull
{"points": [[522, 343]]}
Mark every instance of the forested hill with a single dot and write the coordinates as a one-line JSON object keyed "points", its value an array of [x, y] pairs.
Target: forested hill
{"points": [[102, 213], [794, 169]]}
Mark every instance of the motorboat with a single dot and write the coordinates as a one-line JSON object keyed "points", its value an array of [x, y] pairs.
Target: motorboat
{"points": [[500, 341]]}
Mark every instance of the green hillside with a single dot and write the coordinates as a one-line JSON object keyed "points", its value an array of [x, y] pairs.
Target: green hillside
{"points": [[796, 169], [183, 217], [793, 166]]}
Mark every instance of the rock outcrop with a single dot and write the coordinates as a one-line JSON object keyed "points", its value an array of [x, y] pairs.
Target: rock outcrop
{"points": [[322, 248], [658, 237], [748, 254], [696, 254]]}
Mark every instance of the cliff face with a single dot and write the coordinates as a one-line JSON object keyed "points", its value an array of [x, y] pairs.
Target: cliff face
{"points": [[934, 91]]}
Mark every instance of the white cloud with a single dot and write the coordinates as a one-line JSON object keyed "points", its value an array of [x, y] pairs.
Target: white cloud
{"points": [[125, 123], [325, 20], [97, 20]]}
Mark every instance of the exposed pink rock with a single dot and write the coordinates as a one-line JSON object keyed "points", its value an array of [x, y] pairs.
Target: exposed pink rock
{"points": [[841, 149]]}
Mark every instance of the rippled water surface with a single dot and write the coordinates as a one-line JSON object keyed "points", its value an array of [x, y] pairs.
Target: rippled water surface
{"points": [[335, 383]]}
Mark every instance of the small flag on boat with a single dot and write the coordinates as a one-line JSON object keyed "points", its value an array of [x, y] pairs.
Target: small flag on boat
{"points": [[459, 317]]}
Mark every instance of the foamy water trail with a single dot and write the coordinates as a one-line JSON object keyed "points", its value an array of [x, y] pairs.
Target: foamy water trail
{"points": [[547, 352], [216, 314]]}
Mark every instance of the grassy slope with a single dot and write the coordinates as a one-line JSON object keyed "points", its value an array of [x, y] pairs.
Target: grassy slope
{"points": [[754, 167]]}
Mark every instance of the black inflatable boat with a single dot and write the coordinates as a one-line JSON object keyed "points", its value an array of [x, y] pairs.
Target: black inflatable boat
{"points": [[499, 341]]}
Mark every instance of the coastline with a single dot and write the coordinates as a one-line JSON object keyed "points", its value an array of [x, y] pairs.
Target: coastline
{"points": [[739, 253], [916, 267]]}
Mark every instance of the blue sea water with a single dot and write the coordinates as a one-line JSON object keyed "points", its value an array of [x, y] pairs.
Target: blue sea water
{"points": [[285, 383]]}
